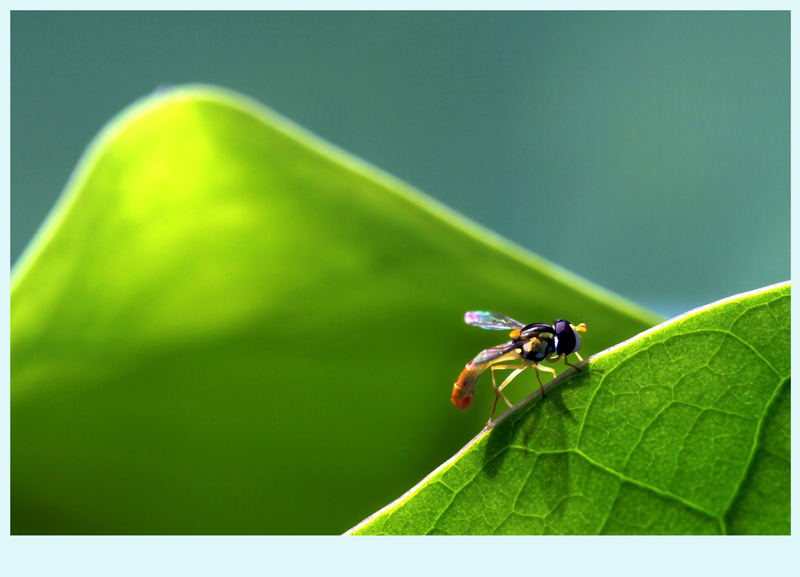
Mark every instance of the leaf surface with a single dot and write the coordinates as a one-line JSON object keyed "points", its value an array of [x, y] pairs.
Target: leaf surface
{"points": [[684, 429], [229, 326]]}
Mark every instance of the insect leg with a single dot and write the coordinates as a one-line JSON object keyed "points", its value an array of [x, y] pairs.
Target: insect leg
{"points": [[580, 359], [509, 378], [559, 357], [498, 391], [546, 369]]}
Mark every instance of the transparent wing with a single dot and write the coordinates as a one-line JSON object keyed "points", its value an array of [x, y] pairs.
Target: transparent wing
{"points": [[491, 321], [493, 353]]}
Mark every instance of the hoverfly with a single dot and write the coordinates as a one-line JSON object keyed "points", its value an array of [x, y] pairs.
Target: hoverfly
{"points": [[532, 344]]}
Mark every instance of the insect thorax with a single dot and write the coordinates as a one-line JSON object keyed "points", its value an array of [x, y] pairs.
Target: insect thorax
{"points": [[537, 349]]}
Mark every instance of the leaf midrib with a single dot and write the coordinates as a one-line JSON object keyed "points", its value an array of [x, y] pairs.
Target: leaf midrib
{"points": [[754, 446]]}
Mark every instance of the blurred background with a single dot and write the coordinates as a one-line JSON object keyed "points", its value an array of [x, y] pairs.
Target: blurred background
{"points": [[646, 151]]}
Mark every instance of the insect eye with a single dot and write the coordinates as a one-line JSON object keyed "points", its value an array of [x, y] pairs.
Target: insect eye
{"points": [[567, 340]]}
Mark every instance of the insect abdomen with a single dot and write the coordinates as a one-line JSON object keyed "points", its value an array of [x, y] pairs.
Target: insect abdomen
{"points": [[464, 388]]}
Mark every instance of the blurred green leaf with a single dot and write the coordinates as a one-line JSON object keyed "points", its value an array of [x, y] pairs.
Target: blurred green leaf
{"points": [[229, 326], [684, 429]]}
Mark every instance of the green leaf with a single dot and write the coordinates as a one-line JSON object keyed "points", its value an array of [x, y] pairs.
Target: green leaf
{"points": [[228, 326], [683, 429]]}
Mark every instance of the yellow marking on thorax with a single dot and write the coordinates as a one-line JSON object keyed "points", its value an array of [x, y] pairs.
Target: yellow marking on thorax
{"points": [[532, 344]]}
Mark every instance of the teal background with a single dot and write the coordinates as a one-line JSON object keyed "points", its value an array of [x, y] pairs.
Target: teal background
{"points": [[646, 151]]}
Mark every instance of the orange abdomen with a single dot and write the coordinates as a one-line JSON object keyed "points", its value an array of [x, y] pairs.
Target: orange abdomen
{"points": [[464, 388]]}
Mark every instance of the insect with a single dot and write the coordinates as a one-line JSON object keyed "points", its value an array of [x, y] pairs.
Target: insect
{"points": [[532, 344]]}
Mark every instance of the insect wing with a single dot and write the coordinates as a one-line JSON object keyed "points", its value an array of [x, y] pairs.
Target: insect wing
{"points": [[491, 321], [492, 354]]}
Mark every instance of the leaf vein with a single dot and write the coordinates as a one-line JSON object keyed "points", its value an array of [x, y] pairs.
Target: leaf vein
{"points": [[756, 437], [641, 484]]}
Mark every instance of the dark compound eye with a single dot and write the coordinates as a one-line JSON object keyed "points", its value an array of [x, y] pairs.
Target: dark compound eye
{"points": [[567, 341]]}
